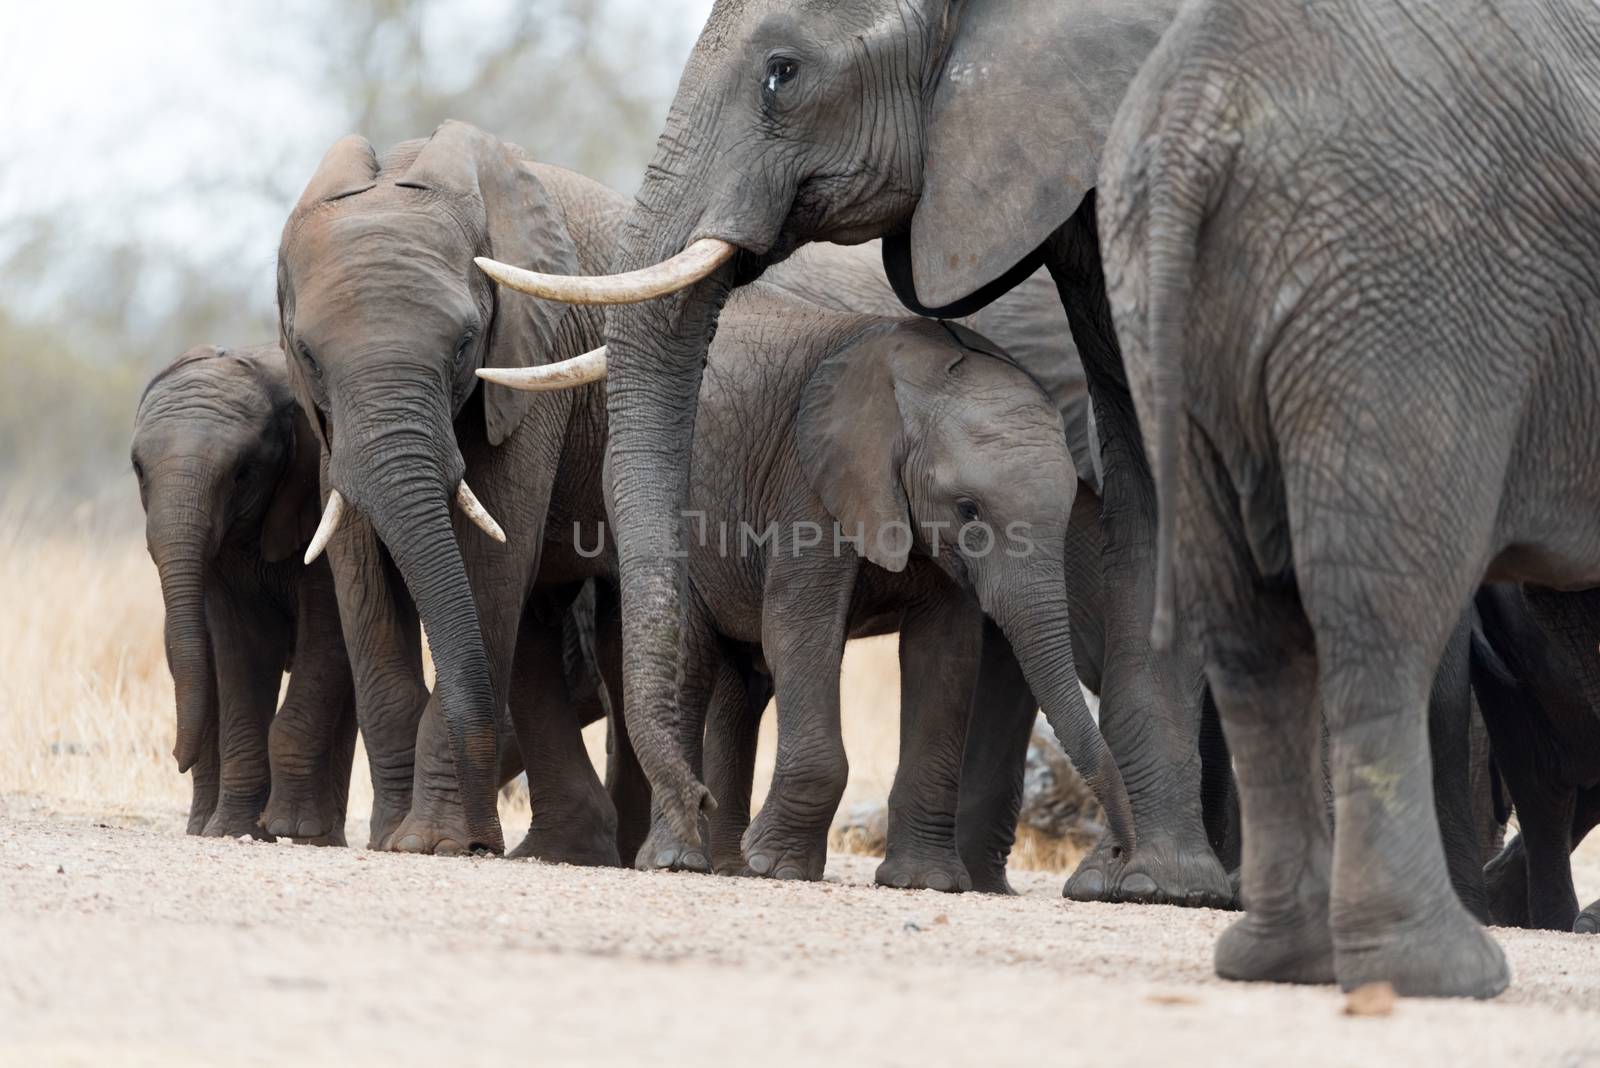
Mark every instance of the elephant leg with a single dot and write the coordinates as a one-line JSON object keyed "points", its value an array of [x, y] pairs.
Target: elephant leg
{"points": [[1381, 628], [573, 818], [384, 642], [702, 660], [205, 782], [733, 727], [625, 778], [251, 646], [804, 619], [996, 755], [1450, 744], [1149, 703], [941, 645], [312, 738], [1263, 670]]}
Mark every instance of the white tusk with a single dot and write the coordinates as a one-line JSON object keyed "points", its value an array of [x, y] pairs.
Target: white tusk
{"points": [[478, 513], [683, 270], [549, 377], [325, 529]]}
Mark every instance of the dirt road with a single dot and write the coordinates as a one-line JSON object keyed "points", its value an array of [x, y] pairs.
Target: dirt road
{"points": [[122, 941]]}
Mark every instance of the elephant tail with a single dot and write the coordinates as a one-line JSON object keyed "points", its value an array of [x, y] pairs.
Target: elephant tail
{"points": [[1180, 187]]}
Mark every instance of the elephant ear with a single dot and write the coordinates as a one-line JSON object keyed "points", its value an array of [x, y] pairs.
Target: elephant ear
{"points": [[852, 445], [1015, 130], [296, 503], [523, 224]]}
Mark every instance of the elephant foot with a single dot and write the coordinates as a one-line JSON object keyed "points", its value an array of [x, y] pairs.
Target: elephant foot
{"points": [[1160, 872], [302, 818], [990, 879], [927, 869], [574, 842], [236, 819], [390, 808], [1297, 948], [1588, 921], [1505, 879], [664, 850], [435, 825], [1442, 953], [774, 852], [727, 860]]}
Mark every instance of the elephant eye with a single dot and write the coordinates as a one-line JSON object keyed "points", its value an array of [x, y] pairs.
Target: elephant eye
{"points": [[310, 361], [780, 71], [243, 473], [461, 349], [967, 508]]}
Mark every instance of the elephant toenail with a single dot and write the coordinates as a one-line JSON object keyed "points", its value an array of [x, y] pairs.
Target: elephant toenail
{"points": [[665, 858], [1586, 924], [940, 881], [1087, 886], [411, 843], [693, 859], [307, 829], [761, 864], [903, 880], [1139, 886], [790, 872], [278, 828]]}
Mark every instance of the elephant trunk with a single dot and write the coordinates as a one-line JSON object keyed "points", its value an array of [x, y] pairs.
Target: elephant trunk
{"points": [[1037, 623], [181, 538], [652, 391], [402, 476]]}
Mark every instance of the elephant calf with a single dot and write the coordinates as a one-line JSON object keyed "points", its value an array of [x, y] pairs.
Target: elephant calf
{"points": [[854, 475], [227, 473]]}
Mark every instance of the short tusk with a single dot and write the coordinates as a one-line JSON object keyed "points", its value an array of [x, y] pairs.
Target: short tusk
{"points": [[329, 525], [683, 270], [478, 513], [549, 377]]}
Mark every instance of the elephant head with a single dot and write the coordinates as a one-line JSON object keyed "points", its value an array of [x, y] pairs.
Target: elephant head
{"points": [[224, 460], [385, 320], [927, 428], [966, 133]]}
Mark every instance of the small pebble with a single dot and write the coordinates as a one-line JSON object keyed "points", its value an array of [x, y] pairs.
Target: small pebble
{"points": [[1371, 999]]}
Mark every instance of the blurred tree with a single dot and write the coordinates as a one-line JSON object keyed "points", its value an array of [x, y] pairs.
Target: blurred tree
{"points": [[148, 222]]}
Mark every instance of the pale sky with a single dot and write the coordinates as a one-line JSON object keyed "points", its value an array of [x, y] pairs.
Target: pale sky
{"points": [[114, 114]]}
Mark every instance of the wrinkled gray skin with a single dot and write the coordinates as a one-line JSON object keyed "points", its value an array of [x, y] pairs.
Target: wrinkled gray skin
{"points": [[1304, 208], [227, 472], [866, 423], [881, 118], [1535, 676], [386, 320], [1030, 324]]}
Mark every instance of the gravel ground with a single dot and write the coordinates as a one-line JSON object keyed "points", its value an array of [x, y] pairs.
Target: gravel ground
{"points": [[121, 941]]}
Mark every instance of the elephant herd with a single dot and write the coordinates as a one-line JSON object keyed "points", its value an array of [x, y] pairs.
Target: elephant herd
{"points": [[1251, 384]]}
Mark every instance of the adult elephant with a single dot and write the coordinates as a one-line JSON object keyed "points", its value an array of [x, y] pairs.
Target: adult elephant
{"points": [[385, 322], [227, 472], [969, 135], [1306, 207]]}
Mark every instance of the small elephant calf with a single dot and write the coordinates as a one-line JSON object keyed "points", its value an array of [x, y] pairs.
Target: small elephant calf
{"points": [[227, 473], [853, 475]]}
